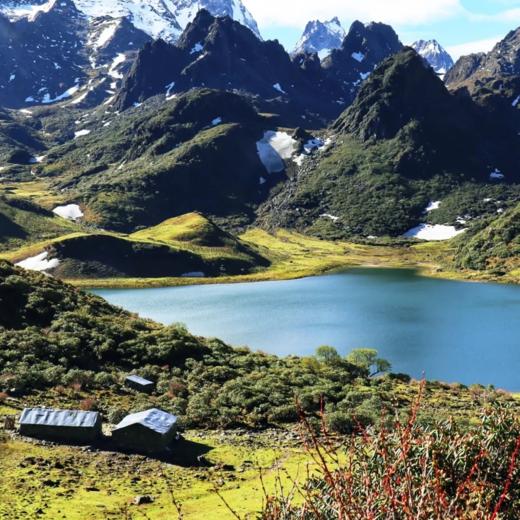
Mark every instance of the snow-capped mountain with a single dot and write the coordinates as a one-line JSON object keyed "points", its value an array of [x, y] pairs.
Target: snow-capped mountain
{"points": [[77, 51], [321, 37], [55, 53], [158, 18], [435, 55]]}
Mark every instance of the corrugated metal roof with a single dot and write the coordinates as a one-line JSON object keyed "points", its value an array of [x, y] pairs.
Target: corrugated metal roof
{"points": [[139, 380], [156, 420], [65, 418]]}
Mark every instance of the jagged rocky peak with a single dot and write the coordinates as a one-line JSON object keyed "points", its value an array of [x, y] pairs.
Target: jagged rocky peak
{"points": [[401, 90], [434, 130], [186, 10], [109, 38], [217, 52], [376, 40], [363, 49], [436, 55], [321, 38], [157, 18]]}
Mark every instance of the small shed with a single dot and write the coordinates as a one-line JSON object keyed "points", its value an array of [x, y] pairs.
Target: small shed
{"points": [[151, 431], [61, 425], [140, 384]]}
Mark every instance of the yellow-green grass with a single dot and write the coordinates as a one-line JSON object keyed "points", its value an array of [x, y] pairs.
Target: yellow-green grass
{"points": [[74, 484], [194, 233], [67, 482], [191, 227], [294, 255], [38, 191]]}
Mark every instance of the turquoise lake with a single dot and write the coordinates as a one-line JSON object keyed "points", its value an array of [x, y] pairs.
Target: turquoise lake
{"points": [[449, 331]]}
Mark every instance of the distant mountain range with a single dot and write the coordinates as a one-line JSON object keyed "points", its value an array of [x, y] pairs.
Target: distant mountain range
{"points": [[222, 53], [79, 50]]}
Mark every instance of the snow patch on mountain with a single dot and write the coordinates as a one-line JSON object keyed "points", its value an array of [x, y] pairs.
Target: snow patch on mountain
{"points": [[69, 212], [39, 263], [106, 34], [432, 206], [26, 10], [274, 148], [433, 233]]}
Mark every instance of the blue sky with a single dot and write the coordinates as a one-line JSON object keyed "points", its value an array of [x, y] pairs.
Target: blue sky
{"points": [[462, 26]]}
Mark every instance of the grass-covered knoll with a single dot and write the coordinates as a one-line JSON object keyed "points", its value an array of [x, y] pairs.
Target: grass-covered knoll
{"points": [[186, 247], [109, 256], [494, 245], [192, 228], [199, 234], [22, 222], [193, 153]]}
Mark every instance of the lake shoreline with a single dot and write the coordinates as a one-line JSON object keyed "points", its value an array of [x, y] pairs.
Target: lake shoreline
{"points": [[266, 276]]}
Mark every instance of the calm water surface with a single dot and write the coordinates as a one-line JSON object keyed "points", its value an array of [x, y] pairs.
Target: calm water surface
{"points": [[450, 331]]}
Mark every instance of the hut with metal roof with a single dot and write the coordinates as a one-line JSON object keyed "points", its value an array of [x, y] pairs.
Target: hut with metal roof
{"points": [[72, 426], [140, 384], [151, 431]]}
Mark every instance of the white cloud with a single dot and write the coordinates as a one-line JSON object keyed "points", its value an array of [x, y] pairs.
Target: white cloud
{"points": [[464, 49], [296, 13]]}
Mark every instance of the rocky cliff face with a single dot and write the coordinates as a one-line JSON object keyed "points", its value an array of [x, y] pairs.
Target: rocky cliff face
{"points": [[363, 49]]}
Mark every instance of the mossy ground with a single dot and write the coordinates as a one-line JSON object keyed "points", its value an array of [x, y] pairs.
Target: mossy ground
{"points": [[53, 482], [38, 191]]}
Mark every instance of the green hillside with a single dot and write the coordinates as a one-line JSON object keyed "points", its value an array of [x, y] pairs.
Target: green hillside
{"points": [[22, 222], [186, 246], [393, 153], [155, 163], [493, 246]]}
